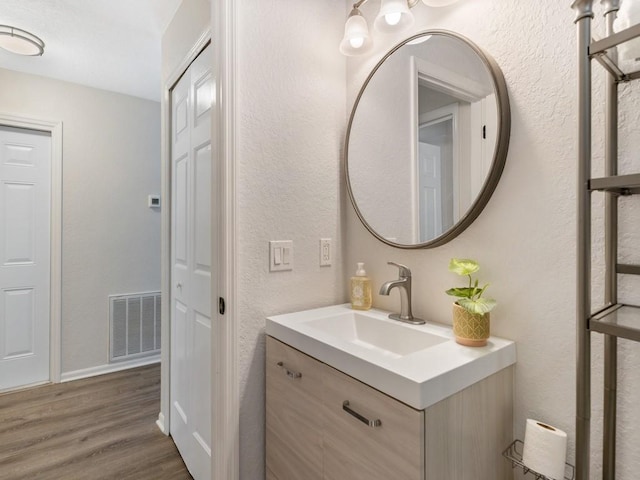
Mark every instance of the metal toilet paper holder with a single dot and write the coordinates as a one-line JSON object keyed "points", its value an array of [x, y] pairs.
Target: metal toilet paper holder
{"points": [[513, 453]]}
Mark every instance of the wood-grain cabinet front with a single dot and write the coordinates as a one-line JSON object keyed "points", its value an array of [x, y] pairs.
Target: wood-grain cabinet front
{"points": [[323, 424]]}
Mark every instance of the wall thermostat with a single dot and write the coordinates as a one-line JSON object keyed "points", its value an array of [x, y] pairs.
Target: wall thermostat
{"points": [[154, 201]]}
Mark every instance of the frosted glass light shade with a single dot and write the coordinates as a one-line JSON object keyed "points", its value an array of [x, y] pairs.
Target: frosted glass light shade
{"points": [[356, 39], [439, 3], [20, 41], [394, 16]]}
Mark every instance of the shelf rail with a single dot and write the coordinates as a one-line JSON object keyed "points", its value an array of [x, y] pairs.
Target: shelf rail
{"points": [[584, 14]]}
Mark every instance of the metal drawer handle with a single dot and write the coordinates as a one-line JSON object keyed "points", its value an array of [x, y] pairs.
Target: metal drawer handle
{"points": [[362, 418], [290, 373]]}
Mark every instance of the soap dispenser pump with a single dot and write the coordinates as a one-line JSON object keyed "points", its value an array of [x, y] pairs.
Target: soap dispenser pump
{"points": [[360, 289]]}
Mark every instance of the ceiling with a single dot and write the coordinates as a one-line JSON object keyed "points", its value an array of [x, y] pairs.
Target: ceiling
{"points": [[108, 44]]}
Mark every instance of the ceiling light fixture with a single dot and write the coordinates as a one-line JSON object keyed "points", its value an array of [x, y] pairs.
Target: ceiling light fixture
{"points": [[21, 42], [394, 16]]}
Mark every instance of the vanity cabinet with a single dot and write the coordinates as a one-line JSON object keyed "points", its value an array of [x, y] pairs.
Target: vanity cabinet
{"points": [[323, 424]]}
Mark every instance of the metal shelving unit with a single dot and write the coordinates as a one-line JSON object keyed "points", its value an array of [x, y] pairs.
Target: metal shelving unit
{"points": [[615, 320]]}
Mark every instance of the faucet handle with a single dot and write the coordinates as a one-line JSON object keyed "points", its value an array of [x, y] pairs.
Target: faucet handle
{"points": [[404, 270]]}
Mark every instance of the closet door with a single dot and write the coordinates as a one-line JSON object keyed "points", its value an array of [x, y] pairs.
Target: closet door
{"points": [[192, 266], [25, 244]]}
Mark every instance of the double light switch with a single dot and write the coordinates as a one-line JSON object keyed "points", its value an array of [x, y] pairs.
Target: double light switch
{"points": [[280, 255]]}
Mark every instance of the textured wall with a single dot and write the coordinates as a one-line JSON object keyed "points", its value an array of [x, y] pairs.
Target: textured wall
{"points": [[291, 120], [525, 238], [110, 238]]}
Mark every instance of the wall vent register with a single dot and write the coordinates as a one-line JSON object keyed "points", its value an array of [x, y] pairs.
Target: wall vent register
{"points": [[134, 326]]}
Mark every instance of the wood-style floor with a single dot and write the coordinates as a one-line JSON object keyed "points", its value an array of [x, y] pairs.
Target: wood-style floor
{"points": [[101, 428]]}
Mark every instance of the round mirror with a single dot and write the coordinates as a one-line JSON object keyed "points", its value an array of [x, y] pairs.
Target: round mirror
{"points": [[427, 140]]}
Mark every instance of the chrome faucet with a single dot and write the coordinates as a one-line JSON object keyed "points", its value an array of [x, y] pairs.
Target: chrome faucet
{"points": [[404, 286]]}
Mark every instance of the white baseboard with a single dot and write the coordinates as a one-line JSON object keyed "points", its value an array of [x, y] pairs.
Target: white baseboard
{"points": [[160, 423], [109, 368]]}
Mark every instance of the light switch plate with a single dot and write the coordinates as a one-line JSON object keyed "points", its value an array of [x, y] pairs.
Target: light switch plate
{"points": [[280, 255]]}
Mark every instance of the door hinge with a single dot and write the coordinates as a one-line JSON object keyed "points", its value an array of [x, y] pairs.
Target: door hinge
{"points": [[221, 305]]}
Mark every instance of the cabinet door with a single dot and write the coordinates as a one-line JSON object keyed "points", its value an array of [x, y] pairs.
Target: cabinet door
{"points": [[468, 431], [294, 413], [354, 450]]}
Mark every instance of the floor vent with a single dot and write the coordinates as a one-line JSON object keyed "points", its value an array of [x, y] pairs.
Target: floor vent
{"points": [[135, 326]]}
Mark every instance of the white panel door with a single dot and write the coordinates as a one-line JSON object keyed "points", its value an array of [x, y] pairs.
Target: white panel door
{"points": [[25, 238], [192, 267], [430, 194]]}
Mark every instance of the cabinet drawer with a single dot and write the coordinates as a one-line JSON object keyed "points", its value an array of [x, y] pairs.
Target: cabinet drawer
{"points": [[294, 413], [355, 450]]}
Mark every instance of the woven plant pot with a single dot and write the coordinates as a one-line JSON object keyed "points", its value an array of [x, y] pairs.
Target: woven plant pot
{"points": [[470, 329]]}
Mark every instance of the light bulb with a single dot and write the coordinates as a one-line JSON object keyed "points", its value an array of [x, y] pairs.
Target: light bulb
{"points": [[393, 18], [356, 42]]}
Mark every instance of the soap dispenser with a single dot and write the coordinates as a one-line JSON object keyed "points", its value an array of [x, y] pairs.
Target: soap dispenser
{"points": [[360, 289]]}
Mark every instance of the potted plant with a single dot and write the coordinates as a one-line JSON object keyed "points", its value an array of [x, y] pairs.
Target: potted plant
{"points": [[471, 321]]}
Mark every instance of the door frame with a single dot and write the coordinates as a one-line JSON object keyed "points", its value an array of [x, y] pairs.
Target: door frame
{"points": [[225, 418], [54, 128], [429, 118]]}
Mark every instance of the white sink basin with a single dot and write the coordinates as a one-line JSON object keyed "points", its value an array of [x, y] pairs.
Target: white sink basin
{"points": [[417, 364], [389, 339]]}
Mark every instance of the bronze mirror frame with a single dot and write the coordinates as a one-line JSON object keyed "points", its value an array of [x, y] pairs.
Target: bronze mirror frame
{"points": [[499, 157]]}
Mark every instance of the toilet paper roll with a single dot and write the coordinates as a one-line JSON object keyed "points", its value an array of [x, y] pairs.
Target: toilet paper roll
{"points": [[545, 449]]}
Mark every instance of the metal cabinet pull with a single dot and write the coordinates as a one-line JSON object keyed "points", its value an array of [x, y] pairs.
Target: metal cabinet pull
{"points": [[362, 418], [290, 373]]}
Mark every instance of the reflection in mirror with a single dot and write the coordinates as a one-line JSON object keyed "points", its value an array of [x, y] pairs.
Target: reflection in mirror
{"points": [[428, 130]]}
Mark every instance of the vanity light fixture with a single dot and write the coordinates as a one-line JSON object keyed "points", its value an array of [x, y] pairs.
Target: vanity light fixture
{"points": [[394, 16], [356, 39], [21, 42]]}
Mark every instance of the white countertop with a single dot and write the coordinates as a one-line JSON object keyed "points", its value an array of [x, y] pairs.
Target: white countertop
{"points": [[419, 379]]}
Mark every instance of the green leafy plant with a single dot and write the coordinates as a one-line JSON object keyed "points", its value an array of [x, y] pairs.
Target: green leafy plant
{"points": [[470, 298]]}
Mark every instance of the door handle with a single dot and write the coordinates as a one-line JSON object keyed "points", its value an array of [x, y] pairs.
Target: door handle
{"points": [[371, 423], [290, 373]]}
